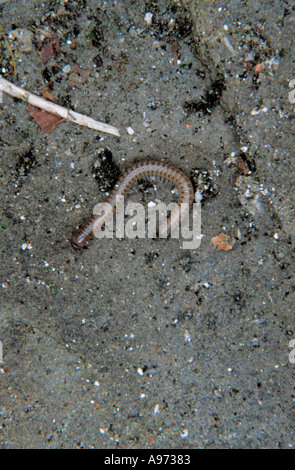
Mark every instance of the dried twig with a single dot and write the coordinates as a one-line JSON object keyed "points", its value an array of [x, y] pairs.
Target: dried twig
{"points": [[56, 109]]}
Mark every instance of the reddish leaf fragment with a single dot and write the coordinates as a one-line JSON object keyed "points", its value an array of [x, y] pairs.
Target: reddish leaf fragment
{"points": [[175, 52], [47, 95], [50, 49], [47, 121]]}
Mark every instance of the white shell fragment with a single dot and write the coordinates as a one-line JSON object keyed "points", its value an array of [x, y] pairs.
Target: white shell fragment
{"points": [[23, 38]]}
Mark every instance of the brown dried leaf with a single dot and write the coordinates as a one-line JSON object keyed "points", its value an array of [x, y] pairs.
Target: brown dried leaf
{"points": [[47, 95], [50, 49], [222, 242], [47, 121], [175, 52]]}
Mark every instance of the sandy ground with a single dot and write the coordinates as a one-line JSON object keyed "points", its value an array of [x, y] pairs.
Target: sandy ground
{"points": [[139, 343]]}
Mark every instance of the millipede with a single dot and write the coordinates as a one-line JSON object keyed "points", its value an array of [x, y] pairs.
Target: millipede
{"points": [[136, 172]]}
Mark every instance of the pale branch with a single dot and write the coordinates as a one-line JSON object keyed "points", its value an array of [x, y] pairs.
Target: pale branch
{"points": [[56, 109]]}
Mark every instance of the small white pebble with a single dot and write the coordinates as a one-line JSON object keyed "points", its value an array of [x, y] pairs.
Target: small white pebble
{"points": [[66, 68], [187, 336], [184, 434], [156, 409], [148, 17], [130, 130], [276, 236], [140, 371], [96, 383], [24, 246]]}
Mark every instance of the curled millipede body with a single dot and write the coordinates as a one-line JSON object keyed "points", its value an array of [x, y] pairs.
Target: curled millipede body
{"points": [[126, 181]]}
